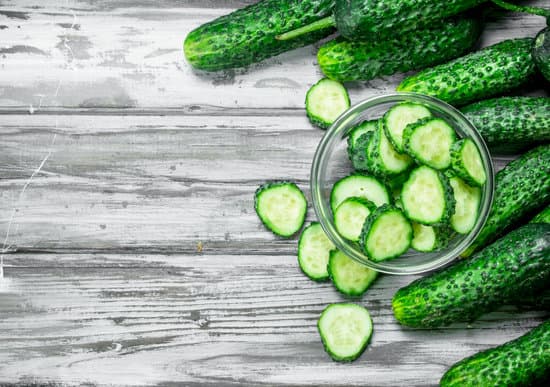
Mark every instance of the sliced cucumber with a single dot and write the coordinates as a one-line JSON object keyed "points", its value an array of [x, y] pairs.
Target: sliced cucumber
{"points": [[349, 277], [350, 216], [325, 101], [398, 117], [313, 252], [467, 200], [358, 156], [427, 197], [466, 162], [345, 330], [358, 131], [386, 234], [281, 207], [364, 186], [429, 142], [428, 238], [383, 158]]}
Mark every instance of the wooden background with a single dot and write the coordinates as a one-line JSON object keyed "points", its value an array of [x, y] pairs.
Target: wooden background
{"points": [[134, 255]]}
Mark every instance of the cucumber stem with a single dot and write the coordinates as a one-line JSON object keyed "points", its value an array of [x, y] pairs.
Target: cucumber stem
{"points": [[315, 26], [524, 8]]}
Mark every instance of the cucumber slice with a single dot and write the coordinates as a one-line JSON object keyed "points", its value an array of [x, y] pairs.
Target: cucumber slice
{"points": [[466, 162], [345, 330], [358, 156], [429, 142], [358, 131], [383, 158], [398, 117], [349, 277], [313, 252], [364, 186], [350, 216], [281, 207], [428, 238], [468, 199], [427, 197], [325, 101], [387, 233]]}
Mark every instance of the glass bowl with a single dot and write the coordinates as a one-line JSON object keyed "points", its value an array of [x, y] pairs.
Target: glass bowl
{"points": [[331, 163]]}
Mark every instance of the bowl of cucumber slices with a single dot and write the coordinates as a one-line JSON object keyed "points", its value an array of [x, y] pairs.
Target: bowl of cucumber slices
{"points": [[402, 183]]}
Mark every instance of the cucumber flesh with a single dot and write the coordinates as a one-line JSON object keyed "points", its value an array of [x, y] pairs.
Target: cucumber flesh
{"points": [[313, 252], [466, 162], [383, 159], [429, 238], [364, 186], [345, 330], [467, 199], [398, 117], [281, 207], [325, 101], [350, 216], [349, 277]]}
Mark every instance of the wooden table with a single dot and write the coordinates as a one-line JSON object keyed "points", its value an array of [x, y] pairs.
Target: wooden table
{"points": [[127, 181]]}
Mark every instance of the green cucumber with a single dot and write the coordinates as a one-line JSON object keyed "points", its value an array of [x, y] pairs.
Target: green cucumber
{"points": [[520, 188], [350, 216], [248, 35], [543, 216], [349, 277], [383, 159], [428, 238], [467, 201], [358, 156], [524, 361], [466, 162], [344, 60], [511, 124], [313, 252], [325, 101], [518, 263], [357, 131], [397, 118], [364, 186], [281, 206], [481, 74], [541, 52]]}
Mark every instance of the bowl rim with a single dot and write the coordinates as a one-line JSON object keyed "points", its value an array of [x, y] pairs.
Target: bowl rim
{"points": [[324, 213]]}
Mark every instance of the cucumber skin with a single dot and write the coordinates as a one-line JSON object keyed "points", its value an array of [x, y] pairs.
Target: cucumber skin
{"points": [[543, 216], [247, 35], [481, 74], [521, 187], [541, 52], [458, 166], [511, 124], [368, 19], [524, 361], [345, 60], [518, 263]]}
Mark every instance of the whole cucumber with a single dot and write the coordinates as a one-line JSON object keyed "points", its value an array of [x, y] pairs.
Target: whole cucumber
{"points": [[524, 361], [521, 187], [481, 74], [345, 60], [511, 124], [247, 35], [518, 263], [541, 52]]}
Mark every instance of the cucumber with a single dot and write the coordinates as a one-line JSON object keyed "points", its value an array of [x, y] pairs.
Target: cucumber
{"points": [[520, 188], [386, 234], [364, 186], [524, 361], [281, 206], [428, 238], [345, 330], [358, 156], [511, 124], [429, 142], [518, 263], [427, 197], [357, 131], [466, 162], [350, 216], [349, 277], [313, 252], [325, 101], [344, 60], [543, 216], [541, 52], [247, 35], [398, 117], [493, 70], [467, 200], [383, 159]]}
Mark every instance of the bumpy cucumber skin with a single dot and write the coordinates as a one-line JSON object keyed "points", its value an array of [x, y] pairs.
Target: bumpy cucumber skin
{"points": [[367, 126], [524, 361], [345, 60], [481, 74], [368, 19], [511, 124], [521, 187], [247, 35], [517, 263], [358, 155], [541, 52], [543, 216]]}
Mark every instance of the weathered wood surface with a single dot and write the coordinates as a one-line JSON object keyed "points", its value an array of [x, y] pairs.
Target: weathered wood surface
{"points": [[135, 255]]}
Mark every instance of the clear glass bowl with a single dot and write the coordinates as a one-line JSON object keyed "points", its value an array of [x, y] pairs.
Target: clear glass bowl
{"points": [[331, 163]]}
